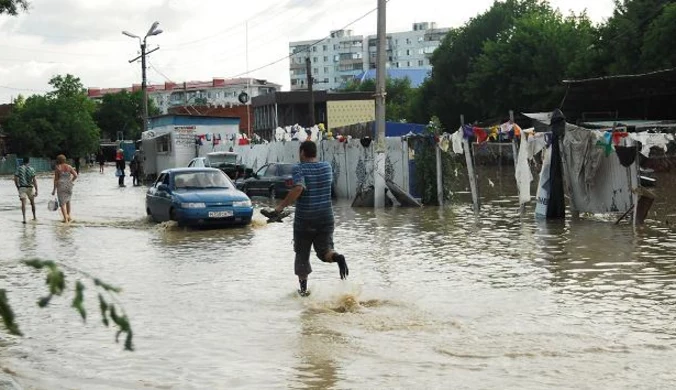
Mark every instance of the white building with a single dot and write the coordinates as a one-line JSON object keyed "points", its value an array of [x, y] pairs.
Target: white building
{"points": [[217, 92], [338, 59]]}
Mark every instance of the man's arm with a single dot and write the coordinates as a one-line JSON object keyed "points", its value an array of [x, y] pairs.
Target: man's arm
{"points": [[35, 185], [290, 199]]}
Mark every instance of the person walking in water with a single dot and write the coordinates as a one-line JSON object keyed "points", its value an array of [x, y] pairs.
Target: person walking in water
{"points": [[64, 176], [101, 160], [77, 164], [27, 185], [119, 166], [134, 170], [314, 220]]}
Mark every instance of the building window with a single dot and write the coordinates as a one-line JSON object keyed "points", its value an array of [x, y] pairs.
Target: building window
{"points": [[421, 51], [314, 60], [421, 62], [163, 144], [326, 69], [325, 48], [408, 41], [326, 80], [408, 64], [408, 52], [314, 48], [315, 70], [326, 59]]}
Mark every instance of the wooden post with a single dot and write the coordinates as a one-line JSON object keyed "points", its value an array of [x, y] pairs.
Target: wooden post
{"points": [[440, 181], [470, 169]]}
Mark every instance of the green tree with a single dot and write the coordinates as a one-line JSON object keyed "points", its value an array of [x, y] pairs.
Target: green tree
{"points": [[521, 68], [59, 122], [659, 41], [123, 111], [12, 7], [625, 33], [400, 94]]}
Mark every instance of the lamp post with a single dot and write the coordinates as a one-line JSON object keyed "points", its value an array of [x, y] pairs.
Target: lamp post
{"points": [[142, 42]]}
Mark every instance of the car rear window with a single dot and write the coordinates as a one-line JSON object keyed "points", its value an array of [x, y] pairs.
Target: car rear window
{"points": [[285, 169]]}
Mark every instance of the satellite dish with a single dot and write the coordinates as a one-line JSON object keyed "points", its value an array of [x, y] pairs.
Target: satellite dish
{"points": [[243, 97]]}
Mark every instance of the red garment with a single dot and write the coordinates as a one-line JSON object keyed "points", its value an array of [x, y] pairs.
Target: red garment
{"points": [[480, 134], [617, 136]]}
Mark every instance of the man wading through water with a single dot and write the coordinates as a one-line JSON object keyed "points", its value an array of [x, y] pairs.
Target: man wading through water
{"points": [[314, 221]]}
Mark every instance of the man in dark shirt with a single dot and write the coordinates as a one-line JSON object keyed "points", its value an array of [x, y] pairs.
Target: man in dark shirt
{"points": [[27, 185], [314, 221]]}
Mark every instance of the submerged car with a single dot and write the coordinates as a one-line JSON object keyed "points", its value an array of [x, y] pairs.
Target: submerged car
{"points": [[197, 196], [225, 161], [273, 180]]}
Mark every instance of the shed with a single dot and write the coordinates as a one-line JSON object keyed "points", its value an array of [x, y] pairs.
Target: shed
{"points": [[173, 140]]}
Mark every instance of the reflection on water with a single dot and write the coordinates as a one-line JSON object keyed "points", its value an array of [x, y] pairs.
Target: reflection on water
{"points": [[436, 298]]}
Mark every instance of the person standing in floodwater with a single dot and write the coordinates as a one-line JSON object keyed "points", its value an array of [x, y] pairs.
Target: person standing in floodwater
{"points": [[135, 170], [77, 164], [64, 177], [119, 166], [27, 185], [314, 220], [101, 160]]}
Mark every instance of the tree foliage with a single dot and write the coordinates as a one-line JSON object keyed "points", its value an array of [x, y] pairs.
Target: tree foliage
{"points": [[58, 122], [123, 111], [57, 285], [13, 7], [515, 55]]}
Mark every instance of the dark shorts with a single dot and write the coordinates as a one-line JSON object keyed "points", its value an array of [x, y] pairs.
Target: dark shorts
{"points": [[305, 236]]}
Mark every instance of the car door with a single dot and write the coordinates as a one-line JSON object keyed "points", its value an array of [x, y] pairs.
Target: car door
{"points": [[254, 184], [163, 200], [152, 198], [267, 180]]}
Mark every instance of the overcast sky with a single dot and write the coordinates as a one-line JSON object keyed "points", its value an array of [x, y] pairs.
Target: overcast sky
{"points": [[202, 38]]}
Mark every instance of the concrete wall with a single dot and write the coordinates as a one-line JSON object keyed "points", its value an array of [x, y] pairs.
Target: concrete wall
{"points": [[352, 163]]}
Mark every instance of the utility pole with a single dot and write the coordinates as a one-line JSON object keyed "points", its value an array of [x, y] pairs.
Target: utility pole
{"points": [[381, 69], [308, 65], [144, 87]]}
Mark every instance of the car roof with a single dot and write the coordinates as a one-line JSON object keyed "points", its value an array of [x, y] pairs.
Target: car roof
{"points": [[222, 154], [190, 170]]}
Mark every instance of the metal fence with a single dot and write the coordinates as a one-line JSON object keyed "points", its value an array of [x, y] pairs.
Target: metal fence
{"points": [[10, 162]]}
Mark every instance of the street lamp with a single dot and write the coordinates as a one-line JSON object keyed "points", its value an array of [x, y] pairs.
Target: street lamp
{"points": [[142, 42]]}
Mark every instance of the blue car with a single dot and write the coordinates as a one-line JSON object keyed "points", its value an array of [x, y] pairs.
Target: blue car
{"points": [[197, 197]]}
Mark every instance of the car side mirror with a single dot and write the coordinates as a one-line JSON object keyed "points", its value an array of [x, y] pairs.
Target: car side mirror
{"points": [[163, 187]]}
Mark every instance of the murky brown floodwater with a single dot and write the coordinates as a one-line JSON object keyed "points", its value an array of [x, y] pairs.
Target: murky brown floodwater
{"points": [[436, 299]]}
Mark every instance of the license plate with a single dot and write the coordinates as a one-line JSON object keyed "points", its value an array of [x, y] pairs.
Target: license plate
{"points": [[220, 214]]}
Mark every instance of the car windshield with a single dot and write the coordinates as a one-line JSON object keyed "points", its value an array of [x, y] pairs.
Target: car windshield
{"points": [[284, 169], [220, 159], [201, 180]]}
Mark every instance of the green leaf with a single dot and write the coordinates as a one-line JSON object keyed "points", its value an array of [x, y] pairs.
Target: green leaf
{"points": [[104, 309], [8, 315], [107, 286], [44, 301], [78, 300]]}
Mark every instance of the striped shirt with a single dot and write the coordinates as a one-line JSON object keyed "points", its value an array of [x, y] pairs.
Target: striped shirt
{"points": [[314, 204], [26, 174]]}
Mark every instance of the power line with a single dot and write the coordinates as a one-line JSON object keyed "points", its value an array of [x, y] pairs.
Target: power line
{"points": [[308, 47], [23, 89], [228, 29]]}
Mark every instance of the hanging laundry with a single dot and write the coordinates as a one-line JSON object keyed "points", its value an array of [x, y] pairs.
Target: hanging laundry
{"points": [[480, 134], [606, 143], [468, 131], [208, 136], [626, 154], [523, 174], [650, 140], [618, 136], [444, 144], [456, 140]]}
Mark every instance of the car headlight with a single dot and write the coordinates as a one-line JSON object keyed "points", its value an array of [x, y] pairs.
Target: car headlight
{"points": [[242, 203], [193, 205]]}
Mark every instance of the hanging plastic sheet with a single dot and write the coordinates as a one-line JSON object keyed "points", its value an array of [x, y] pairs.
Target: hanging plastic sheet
{"points": [[650, 140]]}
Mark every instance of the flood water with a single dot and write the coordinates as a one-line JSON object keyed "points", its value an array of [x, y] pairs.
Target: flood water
{"points": [[436, 299]]}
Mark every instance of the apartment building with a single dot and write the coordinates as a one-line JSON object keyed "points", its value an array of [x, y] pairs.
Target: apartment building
{"points": [[343, 56], [214, 93]]}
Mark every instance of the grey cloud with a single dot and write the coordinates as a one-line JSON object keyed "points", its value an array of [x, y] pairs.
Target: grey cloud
{"points": [[67, 21]]}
